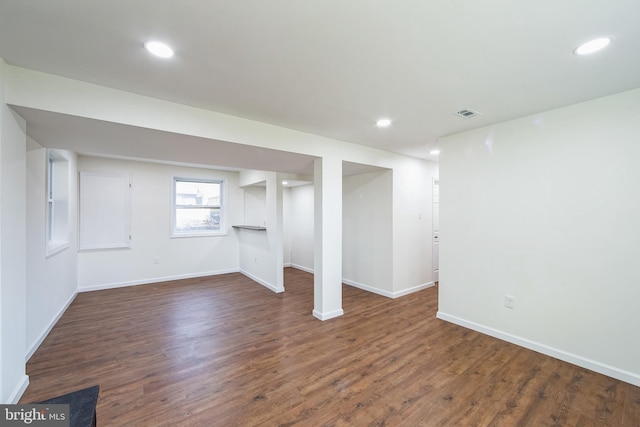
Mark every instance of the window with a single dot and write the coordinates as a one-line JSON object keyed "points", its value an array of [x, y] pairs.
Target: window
{"points": [[197, 207], [57, 208]]}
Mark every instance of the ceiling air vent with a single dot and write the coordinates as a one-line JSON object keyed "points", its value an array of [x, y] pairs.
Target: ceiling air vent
{"points": [[467, 113]]}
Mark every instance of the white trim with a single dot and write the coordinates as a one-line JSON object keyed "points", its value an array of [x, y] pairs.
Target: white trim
{"points": [[371, 288], [55, 247], [154, 280], [57, 192], [19, 390], [367, 288], [300, 267], [187, 235], [613, 372], [222, 182], [53, 322], [327, 316], [387, 293], [262, 282], [412, 290]]}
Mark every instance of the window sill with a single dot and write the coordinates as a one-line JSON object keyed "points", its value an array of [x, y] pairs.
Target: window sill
{"points": [[250, 227], [181, 235], [55, 248]]}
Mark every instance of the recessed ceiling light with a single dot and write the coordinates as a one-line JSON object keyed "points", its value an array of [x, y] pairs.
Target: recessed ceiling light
{"points": [[434, 152], [159, 49], [383, 123], [285, 182], [592, 46]]}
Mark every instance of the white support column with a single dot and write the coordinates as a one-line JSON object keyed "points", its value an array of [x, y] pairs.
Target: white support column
{"points": [[275, 232], [327, 300]]}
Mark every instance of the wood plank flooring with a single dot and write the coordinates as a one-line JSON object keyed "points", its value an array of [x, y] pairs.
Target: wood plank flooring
{"points": [[225, 351]]}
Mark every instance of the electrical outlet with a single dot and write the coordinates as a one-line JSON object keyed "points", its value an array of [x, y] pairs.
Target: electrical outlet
{"points": [[156, 260], [510, 301], [255, 260]]}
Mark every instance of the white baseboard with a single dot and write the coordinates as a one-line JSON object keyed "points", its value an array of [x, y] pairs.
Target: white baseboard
{"points": [[592, 365], [262, 282], [387, 293], [301, 267], [44, 333], [18, 391], [154, 280], [367, 288], [412, 290], [327, 316]]}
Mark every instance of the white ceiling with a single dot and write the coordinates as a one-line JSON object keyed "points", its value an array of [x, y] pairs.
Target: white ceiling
{"points": [[333, 67]]}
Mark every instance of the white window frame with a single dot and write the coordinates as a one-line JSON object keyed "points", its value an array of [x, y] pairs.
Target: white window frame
{"points": [[222, 208], [57, 203]]}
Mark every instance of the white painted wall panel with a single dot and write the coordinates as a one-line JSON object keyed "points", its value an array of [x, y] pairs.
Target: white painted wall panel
{"points": [[255, 206], [261, 251], [104, 210], [545, 208], [412, 225], [367, 231], [301, 223]]}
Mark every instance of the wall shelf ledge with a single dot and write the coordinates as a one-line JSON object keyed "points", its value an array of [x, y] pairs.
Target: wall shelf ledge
{"points": [[250, 227]]}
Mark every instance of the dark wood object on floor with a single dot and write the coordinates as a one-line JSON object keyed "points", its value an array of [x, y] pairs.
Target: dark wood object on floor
{"points": [[225, 351]]}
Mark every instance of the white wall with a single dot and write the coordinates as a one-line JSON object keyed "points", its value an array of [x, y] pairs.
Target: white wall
{"points": [[546, 209], [51, 281], [367, 233], [300, 223], [151, 203], [261, 251], [13, 379], [255, 205], [412, 226], [287, 232]]}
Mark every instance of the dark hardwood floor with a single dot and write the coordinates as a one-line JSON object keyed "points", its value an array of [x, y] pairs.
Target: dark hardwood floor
{"points": [[225, 351]]}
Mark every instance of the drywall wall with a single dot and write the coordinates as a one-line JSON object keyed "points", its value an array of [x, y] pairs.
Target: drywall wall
{"points": [[13, 378], [255, 205], [51, 280], [545, 209], [412, 226], [300, 223], [261, 251], [151, 204], [367, 245], [287, 232]]}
